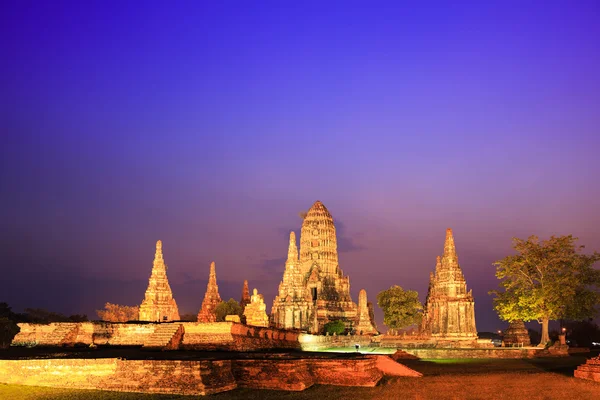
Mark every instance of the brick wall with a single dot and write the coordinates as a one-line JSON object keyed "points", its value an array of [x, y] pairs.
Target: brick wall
{"points": [[196, 336], [146, 376], [474, 353], [236, 337], [191, 377]]}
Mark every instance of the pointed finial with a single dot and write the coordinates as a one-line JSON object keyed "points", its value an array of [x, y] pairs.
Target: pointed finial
{"points": [[158, 256], [449, 249], [292, 249]]}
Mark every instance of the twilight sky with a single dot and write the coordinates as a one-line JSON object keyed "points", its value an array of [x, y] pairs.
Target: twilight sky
{"points": [[211, 125]]}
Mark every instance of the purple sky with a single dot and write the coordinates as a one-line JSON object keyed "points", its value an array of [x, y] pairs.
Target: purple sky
{"points": [[211, 127]]}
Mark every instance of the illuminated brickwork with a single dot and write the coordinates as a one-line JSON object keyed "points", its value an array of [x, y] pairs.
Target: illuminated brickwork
{"points": [[450, 309], [159, 304], [364, 326], [314, 289], [211, 298]]}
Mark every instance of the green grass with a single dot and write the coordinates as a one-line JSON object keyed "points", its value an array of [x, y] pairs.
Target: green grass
{"points": [[443, 379]]}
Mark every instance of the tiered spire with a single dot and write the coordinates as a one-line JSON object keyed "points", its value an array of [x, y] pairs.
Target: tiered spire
{"points": [[450, 257], [314, 289], [245, 296], [318, 242], [211, 298], [449, 307], [158, 303]]}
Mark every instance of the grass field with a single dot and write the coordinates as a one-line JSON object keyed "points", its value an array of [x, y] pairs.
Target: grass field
{"points": [[443, 379]]}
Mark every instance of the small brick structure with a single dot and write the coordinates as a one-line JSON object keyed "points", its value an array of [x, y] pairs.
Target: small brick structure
{"points": [[590, 370]]}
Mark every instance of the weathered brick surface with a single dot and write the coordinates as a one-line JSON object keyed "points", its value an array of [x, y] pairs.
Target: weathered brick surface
{"points": [[147, 376], [273, 374], [236, 337], [474, 353], [346, 372], [275, 371], [316, 343], [590, 370]]}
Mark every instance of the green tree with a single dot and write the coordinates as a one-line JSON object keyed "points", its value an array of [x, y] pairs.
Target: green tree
{"points": [[546, 281], [8, 330], [229, 307], [401, 308], [118, 313], [337, 327]]}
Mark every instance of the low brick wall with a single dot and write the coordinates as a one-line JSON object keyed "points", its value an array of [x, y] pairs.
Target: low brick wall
{"points": [[273, 374], [231, 336], [473, 353], [355, 372], [316, 343], [86, 333], [228, 336], [144, 376], [31, 334], [202, 377]]}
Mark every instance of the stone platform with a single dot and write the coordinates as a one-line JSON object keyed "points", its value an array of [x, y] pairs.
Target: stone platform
{"points": [[221, 336], [193, 373]]}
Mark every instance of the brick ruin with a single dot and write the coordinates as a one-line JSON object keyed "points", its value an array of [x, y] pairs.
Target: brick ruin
{"points": [[365, 325], [516, 334], [211, 298], [245, 300], [221, 336], [314, 289], [204, 376], [450, 310], [590, 370], [158, 303]]}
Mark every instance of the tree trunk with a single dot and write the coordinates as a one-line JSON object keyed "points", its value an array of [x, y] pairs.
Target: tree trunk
{"points": [[545, 335]]}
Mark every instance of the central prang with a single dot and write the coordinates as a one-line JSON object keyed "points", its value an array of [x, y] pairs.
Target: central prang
{"points": [[314, 290]]}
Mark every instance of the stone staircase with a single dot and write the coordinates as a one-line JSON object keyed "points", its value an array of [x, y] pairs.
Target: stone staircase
{"points": [[63, 335], [165, 337]]}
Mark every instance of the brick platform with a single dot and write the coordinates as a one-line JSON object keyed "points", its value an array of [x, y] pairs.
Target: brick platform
{"points": [[200, 377]]}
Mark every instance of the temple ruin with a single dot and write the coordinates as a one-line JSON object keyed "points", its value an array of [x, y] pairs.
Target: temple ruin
{"points": [[365, 325], [211, 298], [450, 309], [314, 290], [245, 300], [158, 304]]}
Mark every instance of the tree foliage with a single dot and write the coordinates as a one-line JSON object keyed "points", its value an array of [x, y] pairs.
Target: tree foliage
{"points": [[337, 327], [229, 307], [189, 317], [547, 280], [8, 330], [43, 316], [118, 313], [401, 308]]}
